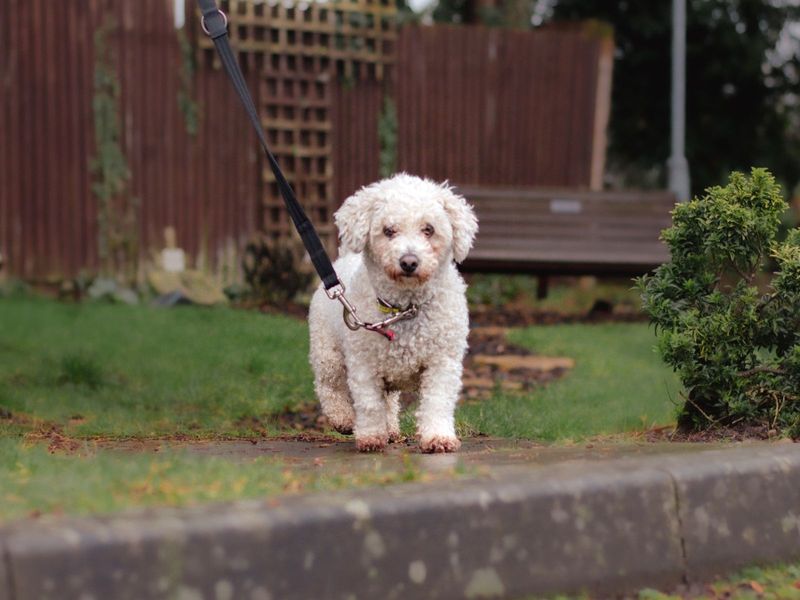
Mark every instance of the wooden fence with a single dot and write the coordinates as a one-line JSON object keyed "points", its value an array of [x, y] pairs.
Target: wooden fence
{"points": [[478, 106], [203, 185], [484, 106]]}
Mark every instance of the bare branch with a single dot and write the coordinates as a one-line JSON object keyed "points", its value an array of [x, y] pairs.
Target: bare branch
{"points": [[702, 412], [757, 370]]}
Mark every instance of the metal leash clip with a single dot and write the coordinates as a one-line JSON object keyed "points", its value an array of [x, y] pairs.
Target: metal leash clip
{"points": [[354, 323]]}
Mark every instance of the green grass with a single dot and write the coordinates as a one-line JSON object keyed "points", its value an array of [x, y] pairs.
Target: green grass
{"points": [[618, 384], [34, 481], [119, 371], [776, 582], [96, 371], [93, 481]]}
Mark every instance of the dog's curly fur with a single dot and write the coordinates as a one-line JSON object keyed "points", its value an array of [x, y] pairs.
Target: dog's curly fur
{"points": [[359, 374]]}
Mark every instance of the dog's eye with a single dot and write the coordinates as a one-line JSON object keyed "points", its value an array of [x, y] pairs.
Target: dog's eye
{"points": [[428, 230], [389, 232]]}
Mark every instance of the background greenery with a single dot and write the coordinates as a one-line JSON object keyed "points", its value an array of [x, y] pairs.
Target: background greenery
{"points": [[743, 73]]}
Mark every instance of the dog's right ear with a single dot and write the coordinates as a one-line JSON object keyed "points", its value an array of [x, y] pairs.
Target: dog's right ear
{"points": [[353, 219]]}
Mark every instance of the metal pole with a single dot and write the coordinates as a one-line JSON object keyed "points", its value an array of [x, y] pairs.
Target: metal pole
{"points": [[180, 13], [677, 164]]}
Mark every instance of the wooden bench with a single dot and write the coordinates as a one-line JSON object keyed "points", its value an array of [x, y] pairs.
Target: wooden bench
{"points": [[567, 232]]}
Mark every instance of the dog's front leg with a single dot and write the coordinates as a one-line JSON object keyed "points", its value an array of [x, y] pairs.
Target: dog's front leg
{"points": [[439, 389], [367, 392]]}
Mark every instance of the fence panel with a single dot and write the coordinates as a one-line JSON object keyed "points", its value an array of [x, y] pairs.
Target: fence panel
{"points": [[475, 106], [205, 185], [497, 107]]}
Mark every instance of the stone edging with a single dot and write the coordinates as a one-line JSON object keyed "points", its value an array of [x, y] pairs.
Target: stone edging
{"points": [[604, 527]]}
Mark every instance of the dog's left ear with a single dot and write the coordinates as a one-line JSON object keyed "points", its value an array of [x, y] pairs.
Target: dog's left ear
{"points": [[463, 220]]}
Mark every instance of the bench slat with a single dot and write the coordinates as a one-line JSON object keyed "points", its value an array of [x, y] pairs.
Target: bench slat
{"points": [[553, 230]]}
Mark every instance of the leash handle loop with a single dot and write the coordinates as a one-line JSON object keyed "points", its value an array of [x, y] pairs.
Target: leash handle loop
{"points": [[216, 29]]}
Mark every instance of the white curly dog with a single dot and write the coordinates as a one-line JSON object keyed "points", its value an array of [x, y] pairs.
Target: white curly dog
{"points": [[400, 240]]}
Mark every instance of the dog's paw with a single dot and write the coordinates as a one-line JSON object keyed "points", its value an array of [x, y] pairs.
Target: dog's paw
{"points": [[395, 436], [440, 443], [371, 443]]}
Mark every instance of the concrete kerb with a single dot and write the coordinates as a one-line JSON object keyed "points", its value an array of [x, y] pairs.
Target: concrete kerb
{"points": [[738, 508], [6, 586], [603, 526]]}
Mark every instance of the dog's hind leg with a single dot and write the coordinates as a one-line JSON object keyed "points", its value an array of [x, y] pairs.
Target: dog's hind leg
{"points": [[330, 383], [392, 398]]}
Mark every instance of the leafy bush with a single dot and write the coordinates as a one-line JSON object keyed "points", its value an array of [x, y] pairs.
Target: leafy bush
{"points": [[736, 350], [275, 270], [14, 288], [500, 290]]}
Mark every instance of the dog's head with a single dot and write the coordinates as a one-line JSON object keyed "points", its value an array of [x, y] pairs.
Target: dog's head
{"points": [[408, 226]]}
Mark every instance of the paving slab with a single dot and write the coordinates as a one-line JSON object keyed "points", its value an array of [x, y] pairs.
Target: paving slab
{"points": [[477, 455], [535, 528]]}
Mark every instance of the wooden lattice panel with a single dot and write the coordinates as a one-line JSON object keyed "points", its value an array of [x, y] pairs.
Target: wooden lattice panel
{"points": [[295, 107], [356, 36], [297, 48]]}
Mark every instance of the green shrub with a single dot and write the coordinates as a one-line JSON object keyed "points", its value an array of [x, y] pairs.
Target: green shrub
{"points": [[275, 270], [737, 350], [500, 290]]}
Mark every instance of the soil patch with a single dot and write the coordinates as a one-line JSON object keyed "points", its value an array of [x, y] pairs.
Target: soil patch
{"points": [[307, 417], [38, 430], [53, 436], [492, 362], [738, 433]]}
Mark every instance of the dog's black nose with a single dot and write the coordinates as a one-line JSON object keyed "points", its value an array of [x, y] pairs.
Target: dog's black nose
{"points": [[409, 263]]}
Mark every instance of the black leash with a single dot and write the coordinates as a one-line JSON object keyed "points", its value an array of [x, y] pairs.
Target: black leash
{"points": [[215, 24]]}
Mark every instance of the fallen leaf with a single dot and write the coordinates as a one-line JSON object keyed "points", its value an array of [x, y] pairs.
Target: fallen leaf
{"points": [[757, 587]]}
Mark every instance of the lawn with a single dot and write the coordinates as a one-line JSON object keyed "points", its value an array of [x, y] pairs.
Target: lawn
{"points": [[90, 480], [86, 372], [119, 371], [618, 385]]}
